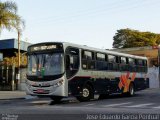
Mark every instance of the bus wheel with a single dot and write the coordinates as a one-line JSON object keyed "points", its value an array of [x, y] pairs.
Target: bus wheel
{"points": [[56, 99], [87, 93], [131, 90]]}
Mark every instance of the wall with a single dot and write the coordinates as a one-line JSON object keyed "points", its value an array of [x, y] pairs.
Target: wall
{"points": [[1, 57], [22, 84], [153, 74]]}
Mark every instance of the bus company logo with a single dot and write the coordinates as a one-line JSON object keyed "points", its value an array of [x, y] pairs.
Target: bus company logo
{"points": [[125, 81]]}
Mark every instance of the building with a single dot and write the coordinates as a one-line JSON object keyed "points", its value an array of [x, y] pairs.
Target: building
{"points": [[8, 79], [1, 57], [8, 47], [151, 52]]}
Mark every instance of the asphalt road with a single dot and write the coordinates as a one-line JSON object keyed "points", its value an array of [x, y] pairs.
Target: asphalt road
{"points": [[144, 105]]}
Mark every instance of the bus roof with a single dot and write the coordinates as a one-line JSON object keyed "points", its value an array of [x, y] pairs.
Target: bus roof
{"points": [[66, 44], [104, 51]]}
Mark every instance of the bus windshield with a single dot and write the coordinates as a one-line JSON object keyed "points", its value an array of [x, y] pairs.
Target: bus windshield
{"points": [[45, 64]]}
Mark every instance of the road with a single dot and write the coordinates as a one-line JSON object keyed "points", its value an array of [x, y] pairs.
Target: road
{"points": [[144, 105]]}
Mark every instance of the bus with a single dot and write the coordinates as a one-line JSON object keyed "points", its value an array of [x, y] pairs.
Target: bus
{"points": [[61, 69]]}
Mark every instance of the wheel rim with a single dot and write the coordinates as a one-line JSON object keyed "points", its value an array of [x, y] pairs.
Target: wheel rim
{"points": [[85, 92], [132, 90]]}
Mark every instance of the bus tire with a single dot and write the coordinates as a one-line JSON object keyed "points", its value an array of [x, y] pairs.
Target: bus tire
{"points": [[131, 90], [87, 93], [56, 99]]}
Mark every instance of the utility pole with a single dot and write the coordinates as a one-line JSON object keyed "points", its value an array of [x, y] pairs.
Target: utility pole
{"points": [[159, 64], [19, 58], [19, 26]]}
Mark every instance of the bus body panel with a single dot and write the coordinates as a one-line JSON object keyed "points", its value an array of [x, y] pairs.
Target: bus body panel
{"points": [[105, 82], [57, 87], [102, 81]]}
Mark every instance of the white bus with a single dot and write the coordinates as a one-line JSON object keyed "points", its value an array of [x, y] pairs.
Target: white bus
{"points": [[60, 69]]}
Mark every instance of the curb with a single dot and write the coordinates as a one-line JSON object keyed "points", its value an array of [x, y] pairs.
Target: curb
{"points": [[20, 98], [27, 97]]}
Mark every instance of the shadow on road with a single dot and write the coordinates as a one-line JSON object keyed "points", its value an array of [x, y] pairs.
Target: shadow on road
{"points": [[75, 101]]}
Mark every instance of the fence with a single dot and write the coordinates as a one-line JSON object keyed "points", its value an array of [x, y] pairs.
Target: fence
{"points": [[8, 78]]}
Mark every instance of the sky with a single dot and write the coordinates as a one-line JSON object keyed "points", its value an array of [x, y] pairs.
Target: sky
{"points": [[85, 22]]}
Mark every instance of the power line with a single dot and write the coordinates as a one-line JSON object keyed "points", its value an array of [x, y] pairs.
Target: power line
{"points": [[84, 12], [99, 11]]}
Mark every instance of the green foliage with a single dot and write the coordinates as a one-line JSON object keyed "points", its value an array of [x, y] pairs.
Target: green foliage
{"points": [[127, 38], [9, 19], [8, 16], [13, 61]]}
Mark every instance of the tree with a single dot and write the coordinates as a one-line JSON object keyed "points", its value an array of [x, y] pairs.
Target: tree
{"points": [[127, 38], [10, 20], [13, 61], [8, 15]]}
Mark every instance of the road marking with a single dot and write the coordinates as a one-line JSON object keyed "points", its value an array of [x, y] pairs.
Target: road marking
{"points": [[89, 104], [40, 101], [113, 105], [30, 97], [140, 105], [158, 107]]}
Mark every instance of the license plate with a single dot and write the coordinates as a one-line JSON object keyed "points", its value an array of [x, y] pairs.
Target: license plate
{"points": [[40, 91]]}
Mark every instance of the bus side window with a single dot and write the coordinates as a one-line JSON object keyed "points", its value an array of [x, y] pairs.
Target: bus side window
{"points": [[88, 61], [145, 65], [140, 65], [101, 63], [136, 69], [112, 62], [131, 63], [85, 55], [124, 64]]}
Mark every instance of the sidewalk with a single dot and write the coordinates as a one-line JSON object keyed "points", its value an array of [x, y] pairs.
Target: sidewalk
{"points": [[6, 95]]}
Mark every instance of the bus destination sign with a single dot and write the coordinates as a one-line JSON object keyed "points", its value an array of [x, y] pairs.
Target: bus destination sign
{"points": [[48, 47], [44, 47]]}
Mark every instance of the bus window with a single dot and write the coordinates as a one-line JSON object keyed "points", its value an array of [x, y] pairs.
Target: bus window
{"points": [[100, 57], [131, 63], [88, 61], [113, 62], [140, 65], [135, 65], [72, 61], [111, 59], [87, 55], [101, 63], [145, 65], [144, 62], [91, 64], [140, 62], [123, 60], [124, 65]]}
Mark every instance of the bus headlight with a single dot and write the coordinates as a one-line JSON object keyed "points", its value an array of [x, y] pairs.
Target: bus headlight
{"points": [[59, 83]]}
